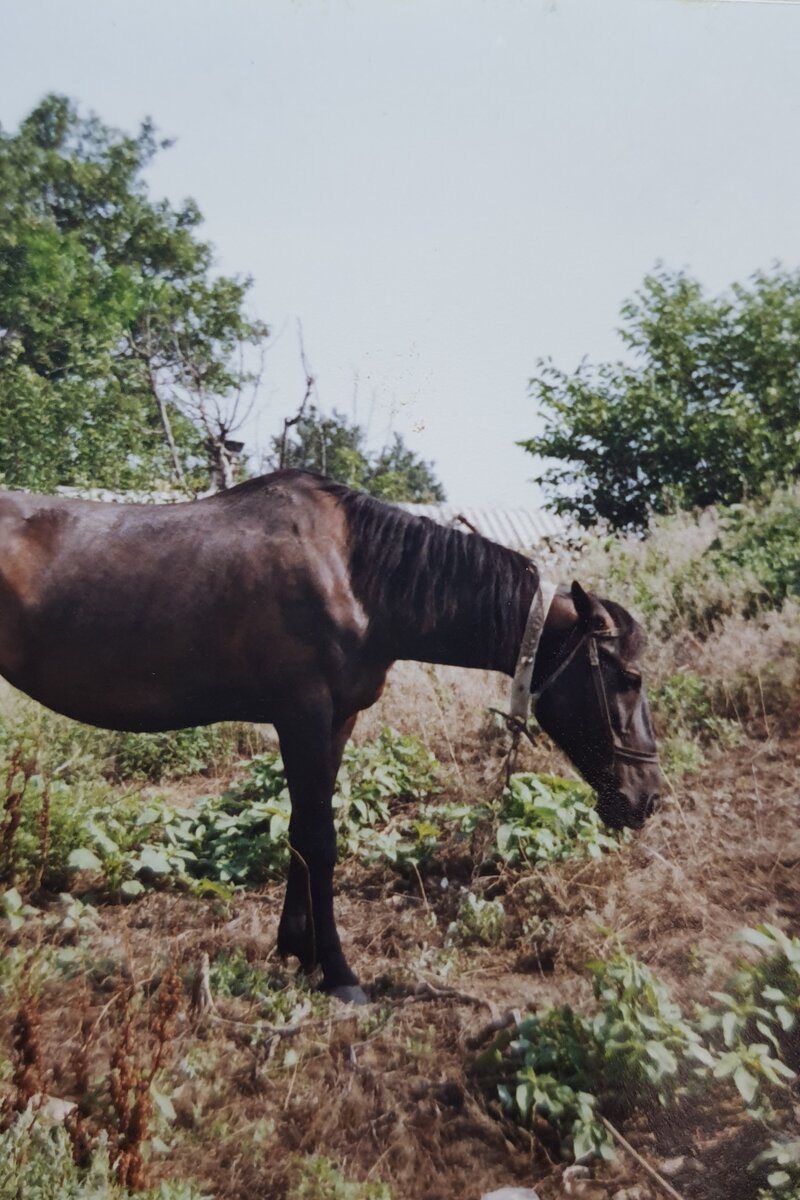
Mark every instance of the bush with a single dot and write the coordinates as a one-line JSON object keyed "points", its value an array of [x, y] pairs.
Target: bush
{"points": [[694, 569], [760, 542], [641, 1050], [320, 1179], [53, 829], [479, 921], [180, 752]]}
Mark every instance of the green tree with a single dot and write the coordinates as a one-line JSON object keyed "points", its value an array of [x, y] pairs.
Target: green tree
{"points": [[707, 412], [336, 447], [120, 350]]}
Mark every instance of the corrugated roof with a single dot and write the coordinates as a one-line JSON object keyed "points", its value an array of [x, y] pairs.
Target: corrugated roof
{"points": [[518, 528]]}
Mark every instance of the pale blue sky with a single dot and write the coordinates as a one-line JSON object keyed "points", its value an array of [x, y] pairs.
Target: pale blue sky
{"points": [[445, 190]]}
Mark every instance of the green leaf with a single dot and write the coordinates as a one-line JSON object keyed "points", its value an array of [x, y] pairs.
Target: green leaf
{"points": [[662, 1057], [82, 859], [163, 1103], [151, 859], [730, 1022], [131, 887], [787, 1019], [757, 937], [746, 1083]]}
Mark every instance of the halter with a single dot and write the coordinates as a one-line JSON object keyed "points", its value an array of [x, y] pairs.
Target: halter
{"points": [[522, 698]]}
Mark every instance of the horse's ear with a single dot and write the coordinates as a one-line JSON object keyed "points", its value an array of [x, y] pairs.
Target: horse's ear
{"points": [[582, 602], [589, 609]]}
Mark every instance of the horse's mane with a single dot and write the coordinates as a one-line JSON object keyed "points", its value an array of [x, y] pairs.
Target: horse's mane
{"points": [[410, 565]]}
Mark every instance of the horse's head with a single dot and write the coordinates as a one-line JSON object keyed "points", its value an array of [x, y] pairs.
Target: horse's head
{"points": [[589, 698]]}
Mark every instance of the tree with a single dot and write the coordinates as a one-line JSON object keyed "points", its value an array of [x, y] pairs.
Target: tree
{"points": [[708, 412], [124, 360], [336, 447]]}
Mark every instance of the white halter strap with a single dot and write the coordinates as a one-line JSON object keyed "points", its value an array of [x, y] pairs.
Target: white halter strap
{"points": [[526, 660]]}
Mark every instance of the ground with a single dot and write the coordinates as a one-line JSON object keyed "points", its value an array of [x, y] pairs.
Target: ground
{"points": [[387, 1092]]}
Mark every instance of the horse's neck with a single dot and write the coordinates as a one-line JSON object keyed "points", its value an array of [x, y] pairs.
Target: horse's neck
{"points": [[467, 606]]}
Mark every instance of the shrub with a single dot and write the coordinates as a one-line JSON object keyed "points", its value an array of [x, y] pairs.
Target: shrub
{"points": [[693, 569], [760, 542], [640, 1049], [180, 752]]}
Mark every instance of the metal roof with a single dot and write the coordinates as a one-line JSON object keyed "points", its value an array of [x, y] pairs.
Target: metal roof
{"points": [[518, 528]]}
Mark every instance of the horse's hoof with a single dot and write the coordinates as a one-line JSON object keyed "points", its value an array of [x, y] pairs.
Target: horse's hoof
{"points": [[350, 993]]}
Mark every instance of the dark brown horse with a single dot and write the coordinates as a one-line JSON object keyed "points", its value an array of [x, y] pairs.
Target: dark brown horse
{"points": [[286, 600]]}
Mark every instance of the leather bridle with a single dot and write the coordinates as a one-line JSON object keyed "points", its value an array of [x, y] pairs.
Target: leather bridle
{"points": [[523, 675]]}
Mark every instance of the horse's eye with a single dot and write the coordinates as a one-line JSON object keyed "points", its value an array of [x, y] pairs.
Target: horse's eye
{"points": [[632, 679]]}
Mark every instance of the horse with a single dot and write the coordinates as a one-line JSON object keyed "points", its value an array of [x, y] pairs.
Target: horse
{"points": [[285, 600]]}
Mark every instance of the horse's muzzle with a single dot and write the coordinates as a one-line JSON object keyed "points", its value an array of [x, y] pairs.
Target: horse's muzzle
{"points": [[617, 810]]}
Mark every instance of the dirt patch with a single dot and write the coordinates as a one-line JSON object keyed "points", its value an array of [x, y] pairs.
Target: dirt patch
{"points": [[386, 1092]]}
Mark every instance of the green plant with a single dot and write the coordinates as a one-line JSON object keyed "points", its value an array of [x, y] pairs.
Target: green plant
{"points": [[757, 1018], [157, 756], [680, 756], [545, 819], [640, 1050], [647, 1045], [318, 1178], [37, 1162], [278, 1001], [551, 1060], [704, 411], [760, 541], [783, 1180], [682, 701], [479, 920]]}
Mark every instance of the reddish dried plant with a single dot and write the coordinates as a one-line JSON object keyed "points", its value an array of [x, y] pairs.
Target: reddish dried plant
{"points": [[135, 1061], [14, 789], [28, 1077]]}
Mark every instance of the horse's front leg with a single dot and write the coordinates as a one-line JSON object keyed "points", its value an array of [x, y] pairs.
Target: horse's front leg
{"points": [[311, 746]]}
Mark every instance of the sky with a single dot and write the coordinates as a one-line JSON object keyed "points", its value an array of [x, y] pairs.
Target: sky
{"points": [[444, 191]]}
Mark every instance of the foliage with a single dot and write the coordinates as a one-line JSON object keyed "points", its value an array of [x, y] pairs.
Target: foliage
{"points": [[36, 1161], [693, 570], [236, 839], [276, 1001], [641, 1050], [646, 1042], [545, 819], [757, 1018], [707, 411], [682, 701], [550, 1060], [180, 752], [320, 1179], [783, 1180], [761, 543], [337, 447], [115, 334], [479, 921]]}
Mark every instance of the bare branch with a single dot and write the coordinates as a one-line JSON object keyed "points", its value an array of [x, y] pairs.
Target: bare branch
{"points": [[311, 383]]}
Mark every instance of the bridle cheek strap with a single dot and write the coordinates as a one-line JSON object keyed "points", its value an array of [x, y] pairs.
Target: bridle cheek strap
{"points": [[620, 750]]}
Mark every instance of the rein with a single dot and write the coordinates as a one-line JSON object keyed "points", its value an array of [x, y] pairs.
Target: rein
{"points": [[522, 698]]}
